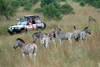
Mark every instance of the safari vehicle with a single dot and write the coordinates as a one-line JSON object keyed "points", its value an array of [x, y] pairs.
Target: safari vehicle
{"points": [[28, 23]]}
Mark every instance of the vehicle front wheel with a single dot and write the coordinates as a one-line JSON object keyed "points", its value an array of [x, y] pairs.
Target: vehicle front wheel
{"points": [[11, 33]]}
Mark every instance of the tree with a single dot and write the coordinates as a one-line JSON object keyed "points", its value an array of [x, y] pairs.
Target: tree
{"points": [[6, 9], [66, 9], [28, 7], [82, 3], [51, 11], [34, 1], [46, 2]]}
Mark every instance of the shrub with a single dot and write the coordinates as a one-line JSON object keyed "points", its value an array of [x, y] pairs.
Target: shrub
{"points": [[28, 7], [98, 4], [82, 3], [51, 11], [94, 3], [66, 9], [46, 2], [15, 3], [62, 0], [76, 0], [34, 1], [38, 10]]}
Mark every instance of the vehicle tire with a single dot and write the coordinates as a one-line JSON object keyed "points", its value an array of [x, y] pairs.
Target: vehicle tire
{"points": [[38, 29], [11, 33], [44, 24], [22, 31]]}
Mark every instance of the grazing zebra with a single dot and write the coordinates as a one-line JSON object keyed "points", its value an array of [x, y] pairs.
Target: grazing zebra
{"points": [[26, 48], [64, 36], [39, 35], [46, 40], [83, 34]]}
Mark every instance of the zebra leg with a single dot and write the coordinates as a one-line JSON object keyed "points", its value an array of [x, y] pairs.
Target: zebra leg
{"points": [[41, 41], [54, 41], [60, 42], [70, 40], [81, 38], [23, 55], [34, 55], [30, 54]]}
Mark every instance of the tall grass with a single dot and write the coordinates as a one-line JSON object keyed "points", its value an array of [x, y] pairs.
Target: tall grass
{"points": [[75, 55]]}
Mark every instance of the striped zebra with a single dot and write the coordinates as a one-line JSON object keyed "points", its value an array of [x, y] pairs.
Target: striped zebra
{"points": [[26, 48]]}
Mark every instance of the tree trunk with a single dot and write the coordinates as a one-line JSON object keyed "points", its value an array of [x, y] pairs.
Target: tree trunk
{"points": [[8, 18]]}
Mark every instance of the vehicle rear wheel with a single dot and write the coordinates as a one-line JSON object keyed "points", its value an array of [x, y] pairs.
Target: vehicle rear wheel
{"points": [[44, 24], [38, 29]]}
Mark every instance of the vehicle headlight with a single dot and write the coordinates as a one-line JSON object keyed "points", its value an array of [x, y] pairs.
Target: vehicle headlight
{"points": [[11, 28]]}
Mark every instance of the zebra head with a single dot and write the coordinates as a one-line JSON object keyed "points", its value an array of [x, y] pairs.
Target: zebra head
{"points": [[87, 30]]}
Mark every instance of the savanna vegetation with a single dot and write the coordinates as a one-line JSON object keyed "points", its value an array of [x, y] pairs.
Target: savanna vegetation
{"points": [[75, 55]]}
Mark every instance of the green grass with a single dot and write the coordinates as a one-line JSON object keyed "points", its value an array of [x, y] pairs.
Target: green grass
{"points": [[75, 55]]}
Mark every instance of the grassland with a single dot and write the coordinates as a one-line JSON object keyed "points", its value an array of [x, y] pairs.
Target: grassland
{"points": [[75, 55]]}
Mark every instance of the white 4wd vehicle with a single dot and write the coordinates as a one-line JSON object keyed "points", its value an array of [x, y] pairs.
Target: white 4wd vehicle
{"points": [[23, 25]]}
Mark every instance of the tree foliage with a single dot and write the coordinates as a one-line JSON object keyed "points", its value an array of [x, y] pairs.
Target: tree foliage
{"points": [[34, 1], [46, 2], [51, 11], [38, 10], [82, 3], [66, 9], [95, 3], [6, 9], [27, 7]]}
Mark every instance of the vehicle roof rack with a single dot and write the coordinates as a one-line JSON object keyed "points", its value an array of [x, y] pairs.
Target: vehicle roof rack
{"points": [[31, 16]]}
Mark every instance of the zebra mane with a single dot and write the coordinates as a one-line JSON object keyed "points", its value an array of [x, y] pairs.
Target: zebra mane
{"points": [[86, 28], [20, 40]]}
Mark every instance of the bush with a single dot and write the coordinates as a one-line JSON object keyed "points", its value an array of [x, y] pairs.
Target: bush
{"points": [[82, 3], [63, 0], [76, 0], [38, 10], [94, 3], [46, 2], [98, 4], [51, 11], [28, 7], [34, 1], [15, 3], [66, 9]]}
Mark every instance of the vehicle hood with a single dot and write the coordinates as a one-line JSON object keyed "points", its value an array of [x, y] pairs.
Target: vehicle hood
{"points": [[17, 26]]}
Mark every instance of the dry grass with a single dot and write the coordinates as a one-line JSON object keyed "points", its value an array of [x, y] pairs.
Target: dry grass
{"points": [[75, 55]]}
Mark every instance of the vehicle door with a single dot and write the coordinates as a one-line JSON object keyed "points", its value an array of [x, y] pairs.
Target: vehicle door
{"points": [[29, 27], [34, 24]]}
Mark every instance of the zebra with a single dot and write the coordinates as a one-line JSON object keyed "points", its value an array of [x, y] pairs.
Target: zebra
{"points": [[26, 48], [39, 35], [83, 34], [64, 36]]}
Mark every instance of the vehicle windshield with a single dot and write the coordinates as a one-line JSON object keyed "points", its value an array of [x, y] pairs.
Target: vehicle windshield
{"points": [[21, 23], [39, 21]]}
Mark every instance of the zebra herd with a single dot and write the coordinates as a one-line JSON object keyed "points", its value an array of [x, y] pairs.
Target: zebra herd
{"points": [[46, 37]]}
